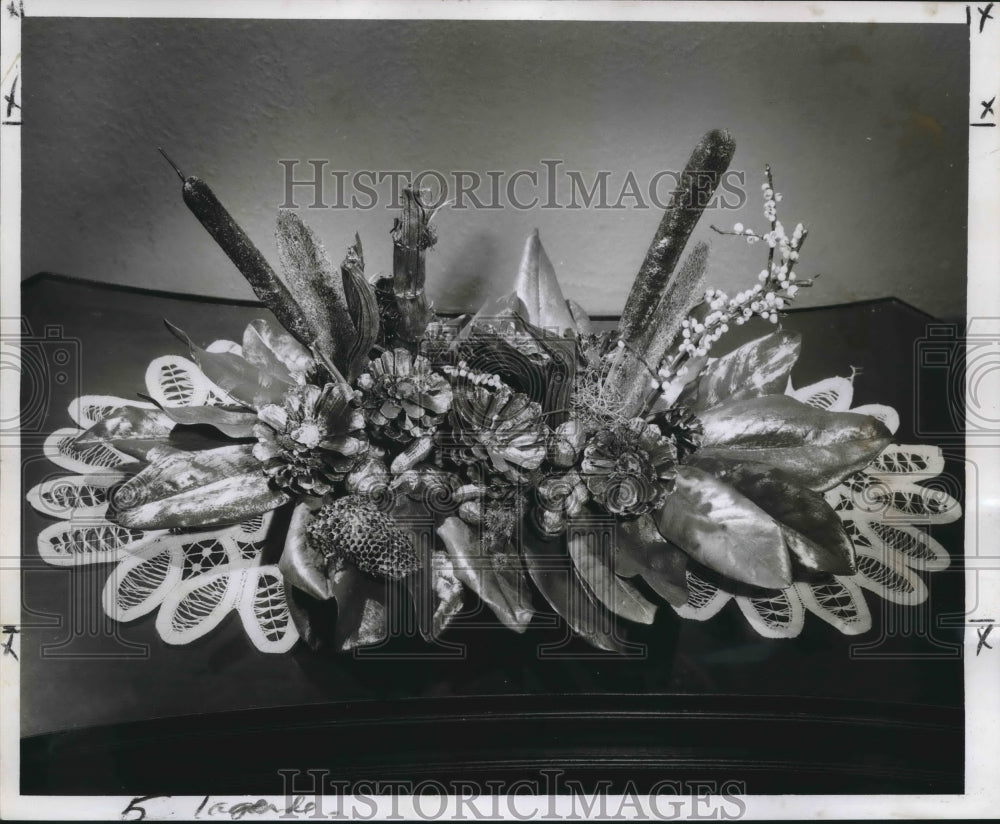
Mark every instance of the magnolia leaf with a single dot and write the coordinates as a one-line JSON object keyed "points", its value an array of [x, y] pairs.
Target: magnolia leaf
{"points": [[236, 375], [642, 551], [817, 449], [760, 367], [184, 489], [593, 564], [301, 565], [436, 593], [131, 430], [317, 287], [504, 590], [272, 350], [539, 290], [724, 530], [231, 423], [354, 616], [363, 305], [557, 579], [362, 616], [813, 532]]}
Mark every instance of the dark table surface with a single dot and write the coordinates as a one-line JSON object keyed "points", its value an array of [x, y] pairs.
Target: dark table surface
{"points": [[111, 674]]}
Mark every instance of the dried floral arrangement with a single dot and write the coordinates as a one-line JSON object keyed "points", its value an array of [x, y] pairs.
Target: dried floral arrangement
{"points": [[368, 456]]}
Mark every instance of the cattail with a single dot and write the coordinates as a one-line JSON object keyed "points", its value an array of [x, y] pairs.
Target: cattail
{"points": [[205, 206]]}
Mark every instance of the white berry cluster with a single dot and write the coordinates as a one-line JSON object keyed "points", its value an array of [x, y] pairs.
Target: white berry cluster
{"points": [[776, 287]]}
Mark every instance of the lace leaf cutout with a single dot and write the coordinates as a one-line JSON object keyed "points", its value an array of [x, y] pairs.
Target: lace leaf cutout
{"points": [[198, 605], [74, 496], [88, 410], [832, 394], [839, 602], [60, 449], [779, 615], [264, 610], [705, 599], [139, 584], [73, 543]]}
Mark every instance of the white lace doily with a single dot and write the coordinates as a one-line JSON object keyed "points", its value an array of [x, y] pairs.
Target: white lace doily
{"points": [[196, 578]]}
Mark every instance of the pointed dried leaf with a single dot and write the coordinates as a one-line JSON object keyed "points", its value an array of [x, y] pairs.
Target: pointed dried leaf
{"points": [[760, 367], [504, 590], [271, 349], [316, 286], [817, 449], [594, 564], [231, 423], [813, 532], [436, 593], [724, 530], [184, 489], [584, 325], [539, 289], [557, 579], [363, 305], [642, 551], [362, 615], [241, 379], [131, 430], [301, 565]]}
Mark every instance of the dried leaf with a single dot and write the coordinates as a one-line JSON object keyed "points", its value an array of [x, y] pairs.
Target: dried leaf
{"points": [[584, 325], [724, 530], [631, 378], [184, 489], [301, 565], [317, 288], [362, 613], [241, 379], [436, 593], [231, 423], [593, 562], [539, 290], [557, 579], [813, 532], [760, 367], [363, 305], [642, 551], [271, 349], [355, 614], [816, 448], [503, 590], [132, 430]]}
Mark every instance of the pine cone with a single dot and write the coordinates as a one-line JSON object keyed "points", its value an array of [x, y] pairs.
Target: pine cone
{"points": [[312, 439], [629, 467], [683, 427], [402, 397], [352, 529], [496, 430]]}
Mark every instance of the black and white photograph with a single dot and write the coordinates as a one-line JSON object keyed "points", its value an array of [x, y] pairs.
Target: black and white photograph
{"points": [[471, 410]]}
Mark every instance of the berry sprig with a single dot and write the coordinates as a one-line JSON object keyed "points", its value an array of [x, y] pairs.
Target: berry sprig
{"points": [[777, 287]]}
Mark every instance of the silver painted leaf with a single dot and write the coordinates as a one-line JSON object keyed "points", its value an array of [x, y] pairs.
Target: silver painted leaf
{"points": [[724, 530], [818, 449]]}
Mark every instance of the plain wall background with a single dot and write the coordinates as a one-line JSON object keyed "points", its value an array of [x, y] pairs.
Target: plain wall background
{"points": [[865, 127]]}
